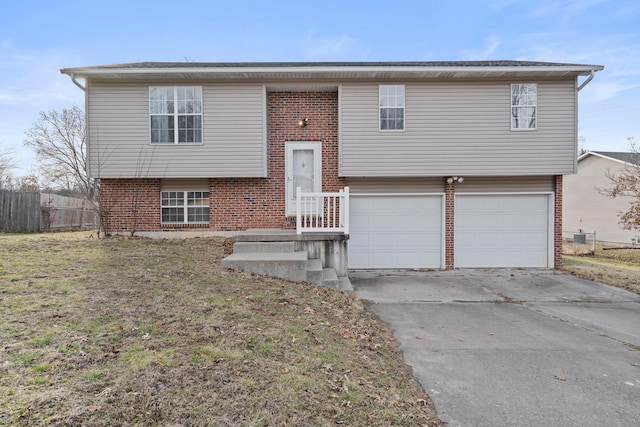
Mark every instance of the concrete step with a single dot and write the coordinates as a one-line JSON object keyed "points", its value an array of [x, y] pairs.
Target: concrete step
{"points": [[344, 284], [329, 278], [290, 265], [263, 247], [314, 271]]}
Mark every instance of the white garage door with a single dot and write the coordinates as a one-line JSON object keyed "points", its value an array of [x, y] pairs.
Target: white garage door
{"points": [[395, 231], [502, 230]]}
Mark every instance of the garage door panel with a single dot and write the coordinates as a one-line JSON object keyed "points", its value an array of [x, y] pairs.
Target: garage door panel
{"points": [[395, 232], [502, 230]]}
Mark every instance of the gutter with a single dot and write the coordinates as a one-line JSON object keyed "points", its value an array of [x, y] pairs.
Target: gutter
{"points": [[586, 82], [76, 82]]}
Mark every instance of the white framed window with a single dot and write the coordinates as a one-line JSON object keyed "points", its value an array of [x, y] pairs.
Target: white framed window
{"points": [[391, 103], [524, 106], [185, 207], [175, 114]]}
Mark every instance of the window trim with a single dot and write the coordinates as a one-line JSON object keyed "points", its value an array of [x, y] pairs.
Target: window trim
{"points": [[185, 207], [512, 106], [404, 108], [176, 115]]}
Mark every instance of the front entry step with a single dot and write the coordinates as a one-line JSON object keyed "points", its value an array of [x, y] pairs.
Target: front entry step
{"points": [[252, 247], [290, 266], [282, 253]]}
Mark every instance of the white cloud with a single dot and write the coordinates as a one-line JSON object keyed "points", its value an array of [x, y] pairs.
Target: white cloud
{"points": [[33, 77], [333, 48], [491, 45], [604, 90], [565, 10], [30, 82]]}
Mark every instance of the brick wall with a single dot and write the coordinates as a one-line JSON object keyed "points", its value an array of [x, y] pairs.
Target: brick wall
{"points": [[557, 222], [241, 203], [449, 221], [129, 205]]}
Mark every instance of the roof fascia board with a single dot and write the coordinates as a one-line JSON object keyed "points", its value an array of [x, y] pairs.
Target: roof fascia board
{"points": [[96, 71], [592, 153]]}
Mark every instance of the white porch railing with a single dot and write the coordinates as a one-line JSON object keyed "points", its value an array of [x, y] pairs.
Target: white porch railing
{"points": [[322, 212]]}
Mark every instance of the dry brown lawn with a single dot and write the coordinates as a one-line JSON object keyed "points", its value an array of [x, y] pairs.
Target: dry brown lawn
{"points": [[619, 267], [154, 332]]}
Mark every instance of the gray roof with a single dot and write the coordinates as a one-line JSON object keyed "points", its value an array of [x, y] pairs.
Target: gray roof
{"points": [[332, 70], [623, 156], [455, 64]]}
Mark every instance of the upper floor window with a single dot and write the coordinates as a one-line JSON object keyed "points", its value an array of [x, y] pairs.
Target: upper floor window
{"points": [[391, 102], [185, 207], [524, 106], [175, 114]]}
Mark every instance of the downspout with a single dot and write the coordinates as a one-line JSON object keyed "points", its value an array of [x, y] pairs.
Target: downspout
{"points": [[584, 83], [84, 89]]}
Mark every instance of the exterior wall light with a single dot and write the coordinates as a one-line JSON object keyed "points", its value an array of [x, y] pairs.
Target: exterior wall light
{"points": [[303, 122], [452, 179]]}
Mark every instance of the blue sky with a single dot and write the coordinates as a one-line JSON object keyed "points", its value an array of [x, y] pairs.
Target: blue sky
{"points": [[37, 38]]}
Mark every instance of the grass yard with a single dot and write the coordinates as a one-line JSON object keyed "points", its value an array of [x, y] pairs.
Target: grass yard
{"points": [[154, 332], [619, 268]]}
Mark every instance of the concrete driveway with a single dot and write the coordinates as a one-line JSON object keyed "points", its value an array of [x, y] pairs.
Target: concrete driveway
{"points": [[515, 347]]}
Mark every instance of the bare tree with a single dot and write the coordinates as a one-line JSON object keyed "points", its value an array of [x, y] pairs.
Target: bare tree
{"points": [[582, 146], [6, 165], [59, 139], [626, 183]]}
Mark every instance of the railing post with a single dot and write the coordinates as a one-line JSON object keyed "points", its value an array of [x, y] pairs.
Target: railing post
{"points": [[298, 210], [346, 210]]}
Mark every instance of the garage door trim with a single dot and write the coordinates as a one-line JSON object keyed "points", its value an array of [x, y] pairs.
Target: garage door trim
{"points": [[550, 214], [440, 195]]}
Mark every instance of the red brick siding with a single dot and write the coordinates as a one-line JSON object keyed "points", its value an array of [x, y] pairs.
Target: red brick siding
{"points": [[241, 203], [449, 223], [557, 223], [130, 205]]}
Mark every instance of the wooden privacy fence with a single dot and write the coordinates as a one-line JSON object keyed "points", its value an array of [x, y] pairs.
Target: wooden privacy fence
{"points": [[34, 212], [19, 211]]}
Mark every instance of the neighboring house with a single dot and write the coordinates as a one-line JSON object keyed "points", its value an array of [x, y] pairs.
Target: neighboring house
{"points": [[449, 164], [585, 208]]}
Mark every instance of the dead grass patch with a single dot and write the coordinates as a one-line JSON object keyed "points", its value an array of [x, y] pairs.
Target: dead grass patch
{"points": [[620, 267], [135, 331]]}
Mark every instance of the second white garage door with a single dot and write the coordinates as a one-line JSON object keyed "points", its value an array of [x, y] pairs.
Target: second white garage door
{"points": [[403, 231], [502, 230]]}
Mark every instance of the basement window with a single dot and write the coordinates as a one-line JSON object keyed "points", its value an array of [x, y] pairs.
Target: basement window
{"points": [[185, 207]]}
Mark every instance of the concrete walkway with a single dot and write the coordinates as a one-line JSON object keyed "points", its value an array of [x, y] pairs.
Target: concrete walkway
{"points": [[515, 347]]}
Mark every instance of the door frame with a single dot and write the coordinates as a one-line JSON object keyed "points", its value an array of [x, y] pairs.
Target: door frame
{"points": [[290, 146]]}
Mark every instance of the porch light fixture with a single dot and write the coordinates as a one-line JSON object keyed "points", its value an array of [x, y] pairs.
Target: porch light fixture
{"points": [[303, 122], [453, 179]]}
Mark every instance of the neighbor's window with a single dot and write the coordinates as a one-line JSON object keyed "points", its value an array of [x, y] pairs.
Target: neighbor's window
{"points": [[185, 207], [524, 106], [391, 101], [175, 114]]}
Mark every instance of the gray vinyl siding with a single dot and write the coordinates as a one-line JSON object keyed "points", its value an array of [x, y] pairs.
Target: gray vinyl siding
{"points": [[395, 185], [458, 128], [471, 184], [201, 184], [506, 184], [234, 134]]}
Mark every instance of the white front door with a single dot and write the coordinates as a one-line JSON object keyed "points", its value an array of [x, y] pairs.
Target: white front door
{"points": [[303, 168]]}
